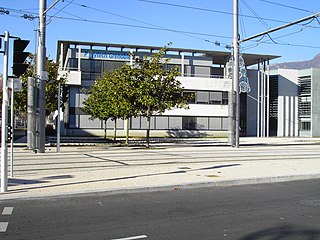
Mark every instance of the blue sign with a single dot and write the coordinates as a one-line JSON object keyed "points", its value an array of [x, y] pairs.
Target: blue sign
{"points": [[105, 55]]}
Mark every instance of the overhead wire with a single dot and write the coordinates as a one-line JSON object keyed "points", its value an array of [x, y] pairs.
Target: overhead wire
{"points": [[73, 15], [273, 41], [242, 24], [255, 14], [60, 10], [210, 10], [287, 6], [77, 18], [157, 27]]}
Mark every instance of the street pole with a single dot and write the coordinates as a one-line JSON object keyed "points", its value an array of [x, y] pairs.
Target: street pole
{"points": [[4, 114], [58, 120], [236, 95], [12, 125], [31, 113], [42, 76]]}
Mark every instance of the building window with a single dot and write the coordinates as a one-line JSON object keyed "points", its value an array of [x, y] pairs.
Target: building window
{"points": [[225, 123], [144, 123], [172, 66], [112, 65], [305, 126], [135, 123], [189, 123], [202, 97], [162, 122], [202, 123], [225, 98], [215, 97], [191, 95], [207, 97], [175, 123], [215, 123]]}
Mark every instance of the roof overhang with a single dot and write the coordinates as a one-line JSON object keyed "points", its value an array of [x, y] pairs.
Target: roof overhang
{"points": [[219, 57]]}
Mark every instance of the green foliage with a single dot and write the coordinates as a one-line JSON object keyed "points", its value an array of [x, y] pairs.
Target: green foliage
{"points": [[20, 98], [111, 96], [144, 89], [157, 89]]}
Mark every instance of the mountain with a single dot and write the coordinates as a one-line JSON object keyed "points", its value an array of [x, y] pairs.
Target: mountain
{"points": [[313, 63]]}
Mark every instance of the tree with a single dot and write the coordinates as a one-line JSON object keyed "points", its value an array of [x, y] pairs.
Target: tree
{"points": [[111, 97], [144, 89], [20, 98], [156, 89]]}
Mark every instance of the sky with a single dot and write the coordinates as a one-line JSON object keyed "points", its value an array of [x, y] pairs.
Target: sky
{"points": [[192, 24]]}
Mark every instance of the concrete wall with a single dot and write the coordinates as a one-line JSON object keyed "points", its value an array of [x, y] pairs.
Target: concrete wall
{"points": [[315, 104], [287, 103]]}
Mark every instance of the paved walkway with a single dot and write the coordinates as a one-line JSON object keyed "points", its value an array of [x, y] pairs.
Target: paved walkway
{"points": [[170, 166]]}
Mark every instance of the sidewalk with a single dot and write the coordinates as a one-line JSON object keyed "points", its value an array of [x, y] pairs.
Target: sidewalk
{"points": [[165, 166]]}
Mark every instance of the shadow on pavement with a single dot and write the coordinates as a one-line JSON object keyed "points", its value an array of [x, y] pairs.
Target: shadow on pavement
{"points": [[19, 181], [120, 178], [285, 232]]}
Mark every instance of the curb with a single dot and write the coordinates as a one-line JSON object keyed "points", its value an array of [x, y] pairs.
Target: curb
{"points": [[173, 187]]}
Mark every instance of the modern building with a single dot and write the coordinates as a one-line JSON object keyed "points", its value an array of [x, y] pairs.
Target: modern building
{"points": [[294, 97], [203, 73]]}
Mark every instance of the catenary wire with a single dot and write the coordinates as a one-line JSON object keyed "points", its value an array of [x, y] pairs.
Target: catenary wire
{"points": [[255, 14], [49, 20], [186, 33], [287, 6], [150, 28], [210, 10], [77, 18]]}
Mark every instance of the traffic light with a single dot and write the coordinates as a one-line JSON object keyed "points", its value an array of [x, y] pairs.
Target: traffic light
{"points": [[65, 93], [19, 57], [9, 133]]}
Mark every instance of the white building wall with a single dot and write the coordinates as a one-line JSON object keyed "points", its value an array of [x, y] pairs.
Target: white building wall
{"points": [[207, 84], [288, 103], [200, 110]]}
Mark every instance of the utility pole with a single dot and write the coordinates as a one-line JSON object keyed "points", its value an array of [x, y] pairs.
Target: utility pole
{"points": [[58, 121], [4, 115], [31, 113], [42, 78], [235, 97]]}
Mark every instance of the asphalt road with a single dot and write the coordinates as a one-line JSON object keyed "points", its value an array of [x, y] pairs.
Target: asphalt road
{"points": [[278, 211]]}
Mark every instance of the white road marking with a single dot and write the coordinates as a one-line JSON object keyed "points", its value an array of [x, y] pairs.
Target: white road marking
{"points": [[3, 226], [7, 211], [131, 238]]}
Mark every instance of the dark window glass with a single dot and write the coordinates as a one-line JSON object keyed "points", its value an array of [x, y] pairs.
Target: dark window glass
{"points": [[189, 123]]}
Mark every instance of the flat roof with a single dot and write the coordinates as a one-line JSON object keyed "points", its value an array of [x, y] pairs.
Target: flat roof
{"points": [[219, 57]]}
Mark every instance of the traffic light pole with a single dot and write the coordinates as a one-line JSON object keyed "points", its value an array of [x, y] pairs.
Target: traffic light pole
{"points": [[4, 114]]}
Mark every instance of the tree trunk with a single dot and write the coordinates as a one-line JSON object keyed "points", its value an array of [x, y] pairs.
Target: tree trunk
{"points": [[115, 130], [127, 132], [105, 129], [148, 131]]}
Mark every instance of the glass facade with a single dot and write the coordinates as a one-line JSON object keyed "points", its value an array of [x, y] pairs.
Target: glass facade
{"points": [[79, 119], [181, 123]]}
